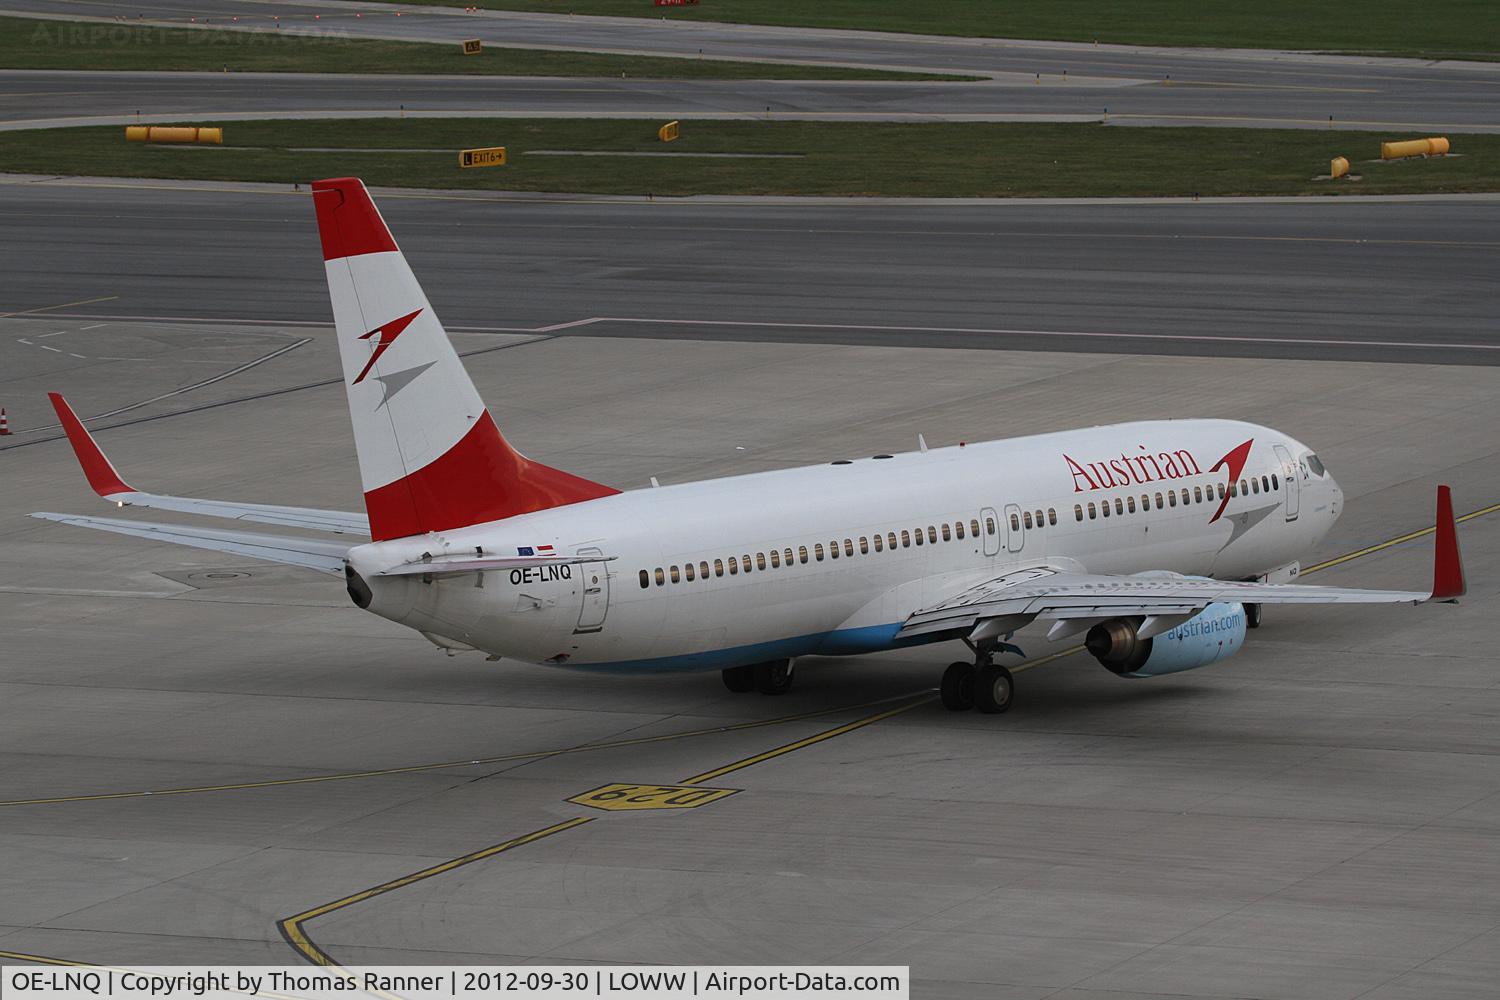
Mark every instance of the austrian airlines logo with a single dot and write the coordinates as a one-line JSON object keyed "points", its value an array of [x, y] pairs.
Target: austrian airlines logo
{"points": [[1152, 467], [388, 334]]}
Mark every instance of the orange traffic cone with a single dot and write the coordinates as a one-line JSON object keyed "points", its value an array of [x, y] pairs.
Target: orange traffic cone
{"points": [[4, 422]]}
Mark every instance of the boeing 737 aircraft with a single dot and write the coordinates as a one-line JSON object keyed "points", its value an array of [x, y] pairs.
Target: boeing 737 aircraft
{"points": [[1156, 541]]}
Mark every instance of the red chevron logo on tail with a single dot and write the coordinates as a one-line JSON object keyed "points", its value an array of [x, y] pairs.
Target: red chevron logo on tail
{"points": [[388, 334]]}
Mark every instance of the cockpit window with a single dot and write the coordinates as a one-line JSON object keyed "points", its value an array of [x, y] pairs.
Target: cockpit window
{"points": [[1315, 466]]}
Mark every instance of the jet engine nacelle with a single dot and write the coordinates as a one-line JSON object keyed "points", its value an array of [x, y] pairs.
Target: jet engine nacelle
{"points": [[1217, 632]]}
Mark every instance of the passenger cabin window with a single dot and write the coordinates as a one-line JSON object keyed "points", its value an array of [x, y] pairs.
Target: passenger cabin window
{"points": [[1221, 491], [905, 539], [1159, 504], [890, 538], [848, 547], [718, 567], [760, 561], [687, 571], [1265, 484], [947, 532], [734, 566], [745, 561], [1275, 483], [918, 533], [787, 555], [974, 527], [1171, 498], [802, 553], [775, 559], [989, 525], [1051, 516], [1015, 523], [1091, 510], [1234, 490], [958, 530], [932, 534], [879, 543], [1119, 505], [833, 548], [818, 552], [1078, 511], [1026, 519], [864, 544], [676, 574], [1130, 504], [661, 577], [645, 579], [1104, 504]]}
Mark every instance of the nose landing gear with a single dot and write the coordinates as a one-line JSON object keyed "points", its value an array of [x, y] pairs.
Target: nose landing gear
{"points": [[983, 684]]}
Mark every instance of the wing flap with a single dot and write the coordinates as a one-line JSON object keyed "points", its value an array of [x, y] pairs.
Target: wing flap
{"points": [[326, 557]]}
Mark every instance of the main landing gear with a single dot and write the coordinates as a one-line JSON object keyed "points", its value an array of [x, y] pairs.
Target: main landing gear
{"points": [[982, 684], [772, 677]]}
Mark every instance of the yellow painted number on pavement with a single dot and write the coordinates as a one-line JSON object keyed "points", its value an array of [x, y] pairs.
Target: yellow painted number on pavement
{"points": [[621, 796]]}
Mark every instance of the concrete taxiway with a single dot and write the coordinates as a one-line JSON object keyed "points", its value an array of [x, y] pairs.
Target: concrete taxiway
{"points": [[1317, 818], [1048, 80], [1346, 279]]}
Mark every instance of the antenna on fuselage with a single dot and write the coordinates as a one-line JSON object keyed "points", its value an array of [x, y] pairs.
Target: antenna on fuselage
{"points": [[921, 444]]}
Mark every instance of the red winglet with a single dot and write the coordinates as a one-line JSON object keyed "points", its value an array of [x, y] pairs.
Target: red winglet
{"points": [[1447, 564], [349, 224], [101, 474]]}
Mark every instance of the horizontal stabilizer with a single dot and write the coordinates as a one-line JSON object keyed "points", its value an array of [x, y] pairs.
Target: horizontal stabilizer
{"points": [[326, 557], [107, 482]]}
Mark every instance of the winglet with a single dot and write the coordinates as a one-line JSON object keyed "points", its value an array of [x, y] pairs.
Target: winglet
{"points": [[1447, 564], [101, 474]]}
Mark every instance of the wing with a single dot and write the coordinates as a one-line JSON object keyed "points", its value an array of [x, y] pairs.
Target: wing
{"points": [[108, 484], [1076, 601], [326, 557]]}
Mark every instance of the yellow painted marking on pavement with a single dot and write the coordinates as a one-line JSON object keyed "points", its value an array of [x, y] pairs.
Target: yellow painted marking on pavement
{"points": [[420, 768], [620, 797], [291, 927], [1409, 536], [796, 745], [1043, 661], [64, 305]]}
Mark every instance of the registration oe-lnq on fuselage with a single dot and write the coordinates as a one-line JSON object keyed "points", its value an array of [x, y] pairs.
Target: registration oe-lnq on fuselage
{"points": [[1158, 541]]}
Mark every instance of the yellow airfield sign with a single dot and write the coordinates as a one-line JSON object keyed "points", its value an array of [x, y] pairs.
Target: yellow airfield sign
{"points": [[472, 46], [491, 157], [620, 796]]}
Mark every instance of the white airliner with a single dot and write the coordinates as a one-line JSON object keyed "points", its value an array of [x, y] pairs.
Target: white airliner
{"points": [[1157, 541]]}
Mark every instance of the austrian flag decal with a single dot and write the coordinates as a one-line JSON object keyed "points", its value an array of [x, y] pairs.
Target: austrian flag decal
{"points": [[388, 334]]}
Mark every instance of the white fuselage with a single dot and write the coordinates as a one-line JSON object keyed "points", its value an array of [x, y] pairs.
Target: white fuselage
{"points": [[1039, 499]]}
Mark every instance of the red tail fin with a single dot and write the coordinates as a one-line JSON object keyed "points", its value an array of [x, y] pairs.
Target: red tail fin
{"points": [[1447, 564], [430, 456]]}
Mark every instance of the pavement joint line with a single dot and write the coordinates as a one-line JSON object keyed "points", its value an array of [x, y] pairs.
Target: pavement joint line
{"points": [[1107, 335], [63, 305], [443, 765]]}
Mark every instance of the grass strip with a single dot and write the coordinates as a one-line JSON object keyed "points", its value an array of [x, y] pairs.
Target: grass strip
{"points": [[1433, 29], [836, 158], [27, 43]]}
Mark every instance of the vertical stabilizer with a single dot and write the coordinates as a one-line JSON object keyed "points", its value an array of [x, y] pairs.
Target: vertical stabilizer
{"points": [[430, 455]]}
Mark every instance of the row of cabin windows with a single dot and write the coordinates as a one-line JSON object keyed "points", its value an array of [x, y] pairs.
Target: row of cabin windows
{"points": [[1126, 505], [776, 558], [1016, 520]]}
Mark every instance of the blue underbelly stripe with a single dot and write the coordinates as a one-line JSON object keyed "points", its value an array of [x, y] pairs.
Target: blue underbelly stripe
{"points": [[840, 642]]}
